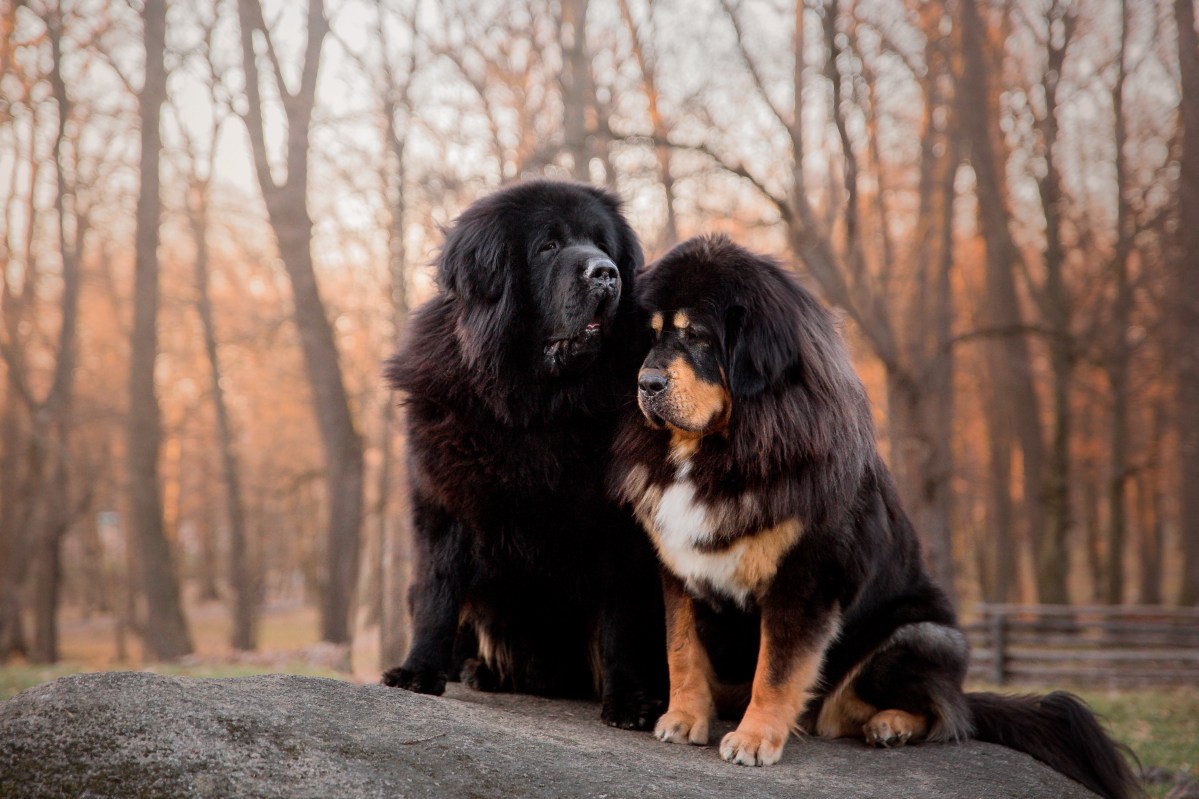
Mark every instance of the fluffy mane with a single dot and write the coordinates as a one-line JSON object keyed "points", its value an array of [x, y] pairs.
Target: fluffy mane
{"points": [[800, 420], [468, 347]]}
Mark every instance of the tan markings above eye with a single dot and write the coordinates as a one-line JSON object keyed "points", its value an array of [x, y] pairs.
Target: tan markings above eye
{"points": [[681, 320], [656, 322]]}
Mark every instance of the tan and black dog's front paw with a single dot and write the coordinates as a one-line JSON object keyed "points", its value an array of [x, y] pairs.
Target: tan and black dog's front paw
{"points": [[683, 727], [753, 746], [892, 728]]}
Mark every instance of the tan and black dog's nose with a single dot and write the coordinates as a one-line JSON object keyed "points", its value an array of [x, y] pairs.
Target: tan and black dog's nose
{"points": [[652, 381]]}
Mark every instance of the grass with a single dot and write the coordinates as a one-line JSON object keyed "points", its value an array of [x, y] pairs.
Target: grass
{"points": [[1160, 725], [91, 644], [17, 678]]}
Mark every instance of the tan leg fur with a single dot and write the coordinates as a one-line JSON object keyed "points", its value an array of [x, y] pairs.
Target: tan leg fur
{"points": [[689, 714], [774, 707]]}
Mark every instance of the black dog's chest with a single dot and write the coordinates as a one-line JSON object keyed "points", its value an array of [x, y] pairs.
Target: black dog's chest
{"points": [[535, 460], [490, 473]]}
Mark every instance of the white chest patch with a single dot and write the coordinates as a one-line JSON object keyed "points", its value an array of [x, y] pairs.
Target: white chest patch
{"points": [[680, 527]]}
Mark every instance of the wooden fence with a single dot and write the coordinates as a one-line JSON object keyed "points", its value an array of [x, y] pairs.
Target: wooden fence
{"points": [[1103, 645]]}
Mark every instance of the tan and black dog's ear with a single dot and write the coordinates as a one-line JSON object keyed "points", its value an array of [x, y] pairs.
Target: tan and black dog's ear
{"points": [[761, 347], [473, 262]]}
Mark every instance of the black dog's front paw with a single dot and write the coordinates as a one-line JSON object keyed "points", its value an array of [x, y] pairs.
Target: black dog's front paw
{"points": [[632, 711], [418, 680]]}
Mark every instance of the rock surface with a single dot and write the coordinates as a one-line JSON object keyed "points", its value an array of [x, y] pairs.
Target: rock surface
{"points": [[136, 734]]}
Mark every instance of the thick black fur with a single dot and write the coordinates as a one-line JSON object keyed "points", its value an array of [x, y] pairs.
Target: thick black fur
{"points": [[513, 375], [799, 442]]}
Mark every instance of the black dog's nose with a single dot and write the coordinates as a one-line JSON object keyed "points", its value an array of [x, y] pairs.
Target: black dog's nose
{"points": [[601, 273], [651, 382]]}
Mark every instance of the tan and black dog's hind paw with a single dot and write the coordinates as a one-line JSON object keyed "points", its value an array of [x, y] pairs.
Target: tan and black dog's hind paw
{"points": [[893, 728]]}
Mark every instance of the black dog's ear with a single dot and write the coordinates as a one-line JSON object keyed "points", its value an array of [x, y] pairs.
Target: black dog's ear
{"points": [[761, 349], [473, 262], [633, 260], [629, 257]]}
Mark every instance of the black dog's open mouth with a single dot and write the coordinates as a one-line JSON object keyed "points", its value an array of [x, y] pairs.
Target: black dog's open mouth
{"points": [[587, 341], [577, 349]]}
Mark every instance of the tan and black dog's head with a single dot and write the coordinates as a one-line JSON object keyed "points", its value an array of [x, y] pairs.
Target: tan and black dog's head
{"points": [[732, 327], [683, 383]]}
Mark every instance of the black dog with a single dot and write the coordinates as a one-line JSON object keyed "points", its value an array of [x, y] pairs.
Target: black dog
{"points": [[788, 561], [514, 373]]}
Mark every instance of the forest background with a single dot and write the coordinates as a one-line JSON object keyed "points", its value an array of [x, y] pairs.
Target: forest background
{"points": [[216, 216]]}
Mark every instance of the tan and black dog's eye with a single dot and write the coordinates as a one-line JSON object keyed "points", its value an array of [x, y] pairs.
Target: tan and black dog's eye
{"points": [[692, 337]]}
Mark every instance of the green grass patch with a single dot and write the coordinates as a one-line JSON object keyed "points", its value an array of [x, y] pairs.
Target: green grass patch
{"points": [[1160, 725], [16, 678]]}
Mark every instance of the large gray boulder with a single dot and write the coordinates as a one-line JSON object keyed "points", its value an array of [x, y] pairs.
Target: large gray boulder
{"points": [[135, 735]]}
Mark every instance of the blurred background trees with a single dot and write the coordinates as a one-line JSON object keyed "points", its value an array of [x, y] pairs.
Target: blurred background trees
{"points": [[214, 218]]}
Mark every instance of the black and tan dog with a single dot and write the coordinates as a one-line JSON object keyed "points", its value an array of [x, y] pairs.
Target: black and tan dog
{"points": [[788, 562]]}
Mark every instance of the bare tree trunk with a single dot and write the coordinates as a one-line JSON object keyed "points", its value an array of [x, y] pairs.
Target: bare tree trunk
{"points": [[576, 87], [647, 62], [166, 633], [287, 208], [1053, 554], [920, 408], [1151, 512], [242, 582], [13, 546], [922, 467], [209, 566], [16, 496], [1001, 519], [395, 560], [1187, 294], [1120, 355], [1015, 413], [1093, 538], [94, 595], [52, 425], [47, 576], [14, 543], [393, 530]]}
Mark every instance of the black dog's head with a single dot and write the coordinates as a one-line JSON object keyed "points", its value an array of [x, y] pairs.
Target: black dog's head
{"points": [[540, 270], [730, 325]]}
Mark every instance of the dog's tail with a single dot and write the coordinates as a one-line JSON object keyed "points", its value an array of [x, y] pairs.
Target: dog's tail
{"points": [[1061, 731]]}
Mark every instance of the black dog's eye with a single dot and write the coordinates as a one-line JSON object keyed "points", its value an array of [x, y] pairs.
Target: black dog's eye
{"points": [[548, 246]]}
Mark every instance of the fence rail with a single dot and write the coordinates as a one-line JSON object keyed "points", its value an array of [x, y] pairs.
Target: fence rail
{"points": [[1111, 645]]}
